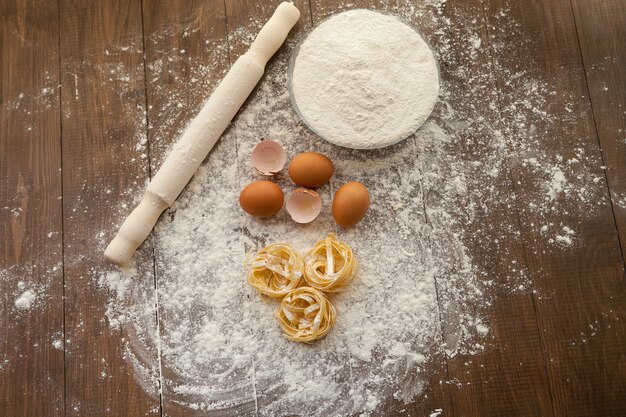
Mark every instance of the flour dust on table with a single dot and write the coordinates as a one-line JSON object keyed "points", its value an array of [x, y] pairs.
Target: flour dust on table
{"points": [[419, 288]]}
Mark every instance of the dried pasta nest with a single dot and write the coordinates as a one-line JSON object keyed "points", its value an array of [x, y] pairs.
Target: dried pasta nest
{"points": [[276, 270], [305, 315], [330, 266]]}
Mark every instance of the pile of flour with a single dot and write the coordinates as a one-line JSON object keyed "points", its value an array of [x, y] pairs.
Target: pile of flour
{"points": [[364, 80]]}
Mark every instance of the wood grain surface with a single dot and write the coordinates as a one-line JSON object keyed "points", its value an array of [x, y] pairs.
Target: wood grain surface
{"points": [[603, 53], [86, 117], [588, 281], [196, 32], [31, 215], [484, 381], [103, 104]]}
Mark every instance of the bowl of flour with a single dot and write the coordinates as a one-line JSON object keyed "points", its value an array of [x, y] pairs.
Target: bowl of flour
{"points": [[363, 79]]}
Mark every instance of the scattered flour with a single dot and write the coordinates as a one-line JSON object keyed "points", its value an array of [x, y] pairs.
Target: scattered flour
{"points": [[26, 300], [619, 200], [419, 291], [558, 183], [566, 238]]}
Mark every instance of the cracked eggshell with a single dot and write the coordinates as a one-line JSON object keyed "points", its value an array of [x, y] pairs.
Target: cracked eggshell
{"points": [[303, 205], [268, 157]]}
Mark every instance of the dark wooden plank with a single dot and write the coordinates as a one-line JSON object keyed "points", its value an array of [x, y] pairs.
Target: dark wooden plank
{"points": [[186, 56], [580, 289], [489, 383], [434, 396], [244, 19], [31, 253], [601, 28], [103, 106], [492, 382]]}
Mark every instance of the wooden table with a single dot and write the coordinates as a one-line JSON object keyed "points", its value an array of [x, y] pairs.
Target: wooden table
{"points": [[63, 141]]}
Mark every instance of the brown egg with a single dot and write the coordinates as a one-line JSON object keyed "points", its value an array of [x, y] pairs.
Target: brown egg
{"points": [[311, 169], [350, 204], [261, 199]]}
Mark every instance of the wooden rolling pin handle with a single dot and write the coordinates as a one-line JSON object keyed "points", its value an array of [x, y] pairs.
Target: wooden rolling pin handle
{"points": [[273, 34], [201, 135], [135, 229]]}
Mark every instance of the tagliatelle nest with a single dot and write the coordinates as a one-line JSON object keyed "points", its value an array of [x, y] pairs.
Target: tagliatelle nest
{"points": [[330, 265], [305, 315], [275, 270]]}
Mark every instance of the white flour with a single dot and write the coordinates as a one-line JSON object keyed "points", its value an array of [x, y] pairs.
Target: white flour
{"points": [[364, 80], [25, 300]]}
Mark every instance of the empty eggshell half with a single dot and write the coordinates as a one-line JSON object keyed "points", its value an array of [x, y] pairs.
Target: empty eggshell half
{"points": [[268, 157], [303, 205]]}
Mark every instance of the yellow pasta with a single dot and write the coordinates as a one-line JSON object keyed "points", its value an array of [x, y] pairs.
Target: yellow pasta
{"points": [[330, 265], [276, 270], [305, 315]]}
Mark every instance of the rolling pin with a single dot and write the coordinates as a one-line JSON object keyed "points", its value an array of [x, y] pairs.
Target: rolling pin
{"points": [[201, 135]]}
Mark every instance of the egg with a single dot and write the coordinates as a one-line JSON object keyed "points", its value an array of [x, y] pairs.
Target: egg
{"points": [[311, 169], [350, 204], [261, 199]]}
